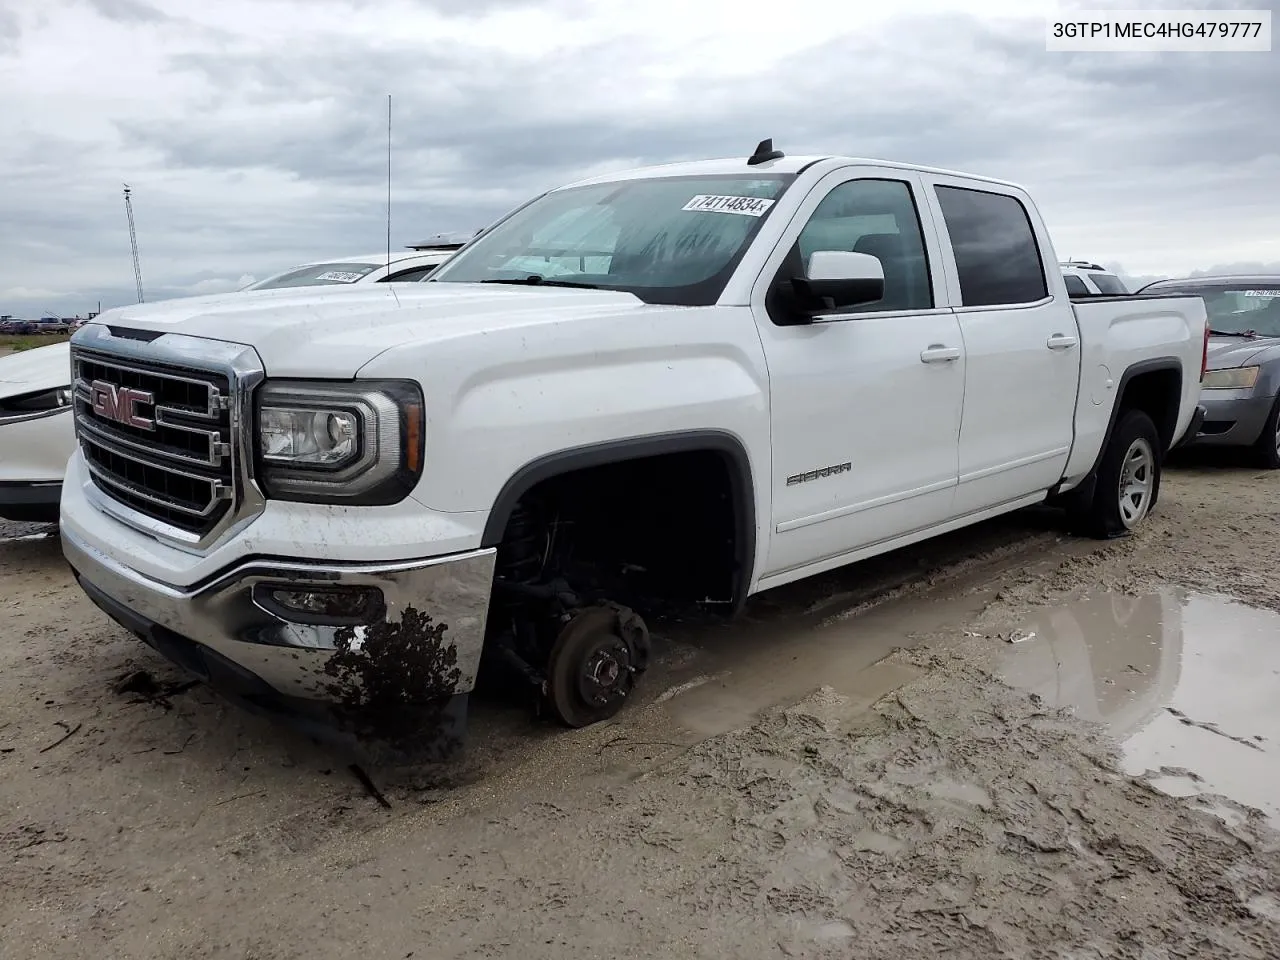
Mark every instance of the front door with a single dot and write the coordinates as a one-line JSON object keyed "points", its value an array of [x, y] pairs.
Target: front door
{"points": [[865, 403]]}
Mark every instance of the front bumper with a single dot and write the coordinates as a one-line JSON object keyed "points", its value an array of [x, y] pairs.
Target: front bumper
{"points": [[1233, 419], [395, 682], [33, 458], [35, 502]]}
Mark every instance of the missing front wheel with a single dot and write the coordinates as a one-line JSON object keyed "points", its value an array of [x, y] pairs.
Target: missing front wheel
{"points": [[595, 662]]}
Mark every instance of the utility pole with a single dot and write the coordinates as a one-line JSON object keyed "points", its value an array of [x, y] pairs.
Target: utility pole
{"points": [[133, 241]]}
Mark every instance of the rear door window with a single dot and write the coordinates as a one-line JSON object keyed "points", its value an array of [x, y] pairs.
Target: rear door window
{"points": [[997, 257]]}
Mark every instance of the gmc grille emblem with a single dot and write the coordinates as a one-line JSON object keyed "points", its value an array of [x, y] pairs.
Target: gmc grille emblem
{"points": [[120, 404]]}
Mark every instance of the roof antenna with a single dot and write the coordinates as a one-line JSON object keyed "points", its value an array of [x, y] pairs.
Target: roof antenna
{"points": [[764, 153], [393, 288]]}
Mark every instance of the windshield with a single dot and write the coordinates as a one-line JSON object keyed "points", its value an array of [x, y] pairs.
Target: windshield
{"points": [[667, 240], [1108, 284], [315, 274], [1250, 308]]}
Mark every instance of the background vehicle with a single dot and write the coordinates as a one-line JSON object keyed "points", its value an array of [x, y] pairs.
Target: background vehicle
{"points": [[406, 266], [728, 375], [36, 431], [1242, 385], [12, 325], [30, 450], [1085, 279]]}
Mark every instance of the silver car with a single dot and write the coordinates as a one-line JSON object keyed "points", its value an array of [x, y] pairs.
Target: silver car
{"points": [[1243, 378]]}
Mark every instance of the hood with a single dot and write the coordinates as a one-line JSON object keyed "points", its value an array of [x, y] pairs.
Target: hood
{"points": [[1226, 353], [334, 331], [41, 368]]}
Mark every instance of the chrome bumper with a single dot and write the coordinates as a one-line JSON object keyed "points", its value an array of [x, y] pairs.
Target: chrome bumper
{"points": [[424, 646]]}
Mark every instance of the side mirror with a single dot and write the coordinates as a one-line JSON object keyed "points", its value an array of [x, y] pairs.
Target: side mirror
{"points": [[840, 278]]}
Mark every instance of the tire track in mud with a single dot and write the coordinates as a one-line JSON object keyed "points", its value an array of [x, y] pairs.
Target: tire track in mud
{"points": [[956, 817], [953, 815]]}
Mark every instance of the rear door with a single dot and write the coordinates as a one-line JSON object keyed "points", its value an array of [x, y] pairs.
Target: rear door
{"points": [[864, 402], [1022, 346]]}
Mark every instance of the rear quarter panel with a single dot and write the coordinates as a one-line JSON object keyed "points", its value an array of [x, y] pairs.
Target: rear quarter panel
{"points": [[1118, 334]]}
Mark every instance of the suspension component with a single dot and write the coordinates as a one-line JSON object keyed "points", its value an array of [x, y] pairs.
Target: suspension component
{"points": [[595, 662]]}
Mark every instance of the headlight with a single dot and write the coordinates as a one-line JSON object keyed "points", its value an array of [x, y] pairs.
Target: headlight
{"points": [[29, 403], [351, 443], [1238, 378], [296, 435]]}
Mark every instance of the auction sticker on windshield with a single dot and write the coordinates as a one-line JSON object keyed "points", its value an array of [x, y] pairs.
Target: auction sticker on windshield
{"points": [[340, 276], [1262, 293], [747, 206]]}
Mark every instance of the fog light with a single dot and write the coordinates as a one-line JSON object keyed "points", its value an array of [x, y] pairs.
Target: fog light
{"points": [[321, 605]]}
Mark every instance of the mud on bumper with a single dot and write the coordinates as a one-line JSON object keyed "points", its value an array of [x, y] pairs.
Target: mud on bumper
{"points": [[380, 657]]}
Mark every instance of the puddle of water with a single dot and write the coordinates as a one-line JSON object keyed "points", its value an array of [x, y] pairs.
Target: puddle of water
{"points": [[748, 669], [800, 644], [1187, 683]]}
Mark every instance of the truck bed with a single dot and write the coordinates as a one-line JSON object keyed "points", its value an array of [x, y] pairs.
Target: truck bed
{"points": [[1117, 334]]}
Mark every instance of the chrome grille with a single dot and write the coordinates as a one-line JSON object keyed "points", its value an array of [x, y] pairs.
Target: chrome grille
{"points": [[158, 437]]}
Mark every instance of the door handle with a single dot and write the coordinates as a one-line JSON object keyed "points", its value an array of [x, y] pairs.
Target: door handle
{"points": [[937, 353], [1060, 341]]}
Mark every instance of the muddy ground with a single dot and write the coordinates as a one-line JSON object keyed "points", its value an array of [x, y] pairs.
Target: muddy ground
{"points": [[843, 773]]}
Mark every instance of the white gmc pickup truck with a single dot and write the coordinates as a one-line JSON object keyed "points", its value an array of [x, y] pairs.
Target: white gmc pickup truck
{"points": [[683, 384]]}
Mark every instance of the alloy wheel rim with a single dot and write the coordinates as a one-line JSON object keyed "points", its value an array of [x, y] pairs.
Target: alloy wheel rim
{"points": [[1137, 480]]}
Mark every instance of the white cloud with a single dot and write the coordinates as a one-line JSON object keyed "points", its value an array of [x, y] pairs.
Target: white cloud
{"points": [[252, 131]]}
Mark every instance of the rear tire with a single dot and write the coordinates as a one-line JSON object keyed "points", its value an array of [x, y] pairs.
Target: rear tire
{"points": [[1128, 479], [1267, 447]]}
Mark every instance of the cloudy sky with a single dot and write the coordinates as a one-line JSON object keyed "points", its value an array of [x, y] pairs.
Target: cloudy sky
{"points": [[253, 131]]}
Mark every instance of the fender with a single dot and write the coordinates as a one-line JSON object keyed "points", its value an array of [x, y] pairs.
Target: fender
{"points": [[1083, 491], [728, 446]]}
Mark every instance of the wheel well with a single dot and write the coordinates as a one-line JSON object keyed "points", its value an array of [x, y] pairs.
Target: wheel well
{"points": [[668, 518], [1158, 394], [1155, 388]]}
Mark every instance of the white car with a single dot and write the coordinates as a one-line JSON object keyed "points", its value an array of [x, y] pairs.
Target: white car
{"points": [[34, 384], [726, 376], [404, 266], [1085, 279], [36, 431]]}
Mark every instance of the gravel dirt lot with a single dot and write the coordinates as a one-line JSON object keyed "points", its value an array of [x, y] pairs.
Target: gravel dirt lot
{"points": [[842, 773]]}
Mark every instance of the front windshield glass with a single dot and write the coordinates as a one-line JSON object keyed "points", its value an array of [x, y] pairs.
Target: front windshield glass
{"points": [[667, 240], [1250, 308], [318, 274]]}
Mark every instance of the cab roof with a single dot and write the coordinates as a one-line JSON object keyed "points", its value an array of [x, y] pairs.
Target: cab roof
{"points": [[786, 164]]}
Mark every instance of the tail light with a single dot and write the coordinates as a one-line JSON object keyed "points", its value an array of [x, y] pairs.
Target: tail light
{"points": [[1204, 356]]}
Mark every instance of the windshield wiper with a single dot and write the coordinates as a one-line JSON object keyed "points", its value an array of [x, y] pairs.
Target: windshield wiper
{"points": [[1247, 334], [538, 280]]}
